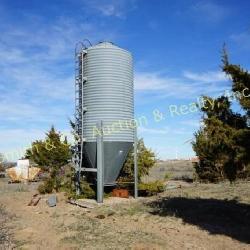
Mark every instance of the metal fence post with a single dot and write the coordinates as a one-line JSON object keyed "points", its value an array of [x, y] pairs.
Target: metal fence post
{"points": [[100, 163]]}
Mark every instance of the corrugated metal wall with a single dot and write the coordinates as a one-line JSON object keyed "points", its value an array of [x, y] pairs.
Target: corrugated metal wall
{"points": [[108, 93]]}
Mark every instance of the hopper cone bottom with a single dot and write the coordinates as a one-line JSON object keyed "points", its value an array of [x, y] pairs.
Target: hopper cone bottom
{"points": [[115, 154]]}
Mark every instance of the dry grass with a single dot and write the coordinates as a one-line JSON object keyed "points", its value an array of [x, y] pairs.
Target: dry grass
{"points": [[219, 209], [5, 241], [222, 209], [173, 170], [198, 216]]}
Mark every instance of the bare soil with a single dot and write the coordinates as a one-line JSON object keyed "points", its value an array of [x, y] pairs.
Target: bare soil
{"points": [[194, 216]]}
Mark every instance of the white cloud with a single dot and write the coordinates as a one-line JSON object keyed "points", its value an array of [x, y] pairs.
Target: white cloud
{"points": [[37, 67], [116, 8], [206, 77], [153, 81], [162, 131], [37, 82], [189, 85], [154, 131]]}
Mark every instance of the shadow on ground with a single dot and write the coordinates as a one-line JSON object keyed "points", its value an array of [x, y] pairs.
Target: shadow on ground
{"points": [[227, 217]]}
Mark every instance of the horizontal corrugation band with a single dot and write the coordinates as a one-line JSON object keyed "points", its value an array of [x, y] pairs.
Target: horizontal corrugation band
{"points": [[104, 86], [110, 137], [109, 109], [109, 52], [108, 120], [117, 98], [126, 126], [106, 59], [108, 49], [107, 65], [95, 107], [107, 75], [107, 62], [125, 123], [108, 82], [102, 91], [114, 131]]}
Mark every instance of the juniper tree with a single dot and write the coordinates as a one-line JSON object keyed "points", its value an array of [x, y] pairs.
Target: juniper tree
{"points": [[223, 142], [51, 154]]}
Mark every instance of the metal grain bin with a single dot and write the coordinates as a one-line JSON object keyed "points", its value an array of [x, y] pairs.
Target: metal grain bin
{"points": [[108, 96]]}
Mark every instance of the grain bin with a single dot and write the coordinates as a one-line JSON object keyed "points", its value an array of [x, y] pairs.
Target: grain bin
{"points": [[104, 92]]}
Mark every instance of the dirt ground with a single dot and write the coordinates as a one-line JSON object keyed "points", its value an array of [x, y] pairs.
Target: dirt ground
{"points": [[193, 216]]}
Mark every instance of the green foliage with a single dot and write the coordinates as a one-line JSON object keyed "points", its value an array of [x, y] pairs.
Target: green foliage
{"points": [[151, 188], [167, 176], [50, 153], [146, 160], [223, 142], [244, 173], [240, 81], [87, 192], [46, 187]]}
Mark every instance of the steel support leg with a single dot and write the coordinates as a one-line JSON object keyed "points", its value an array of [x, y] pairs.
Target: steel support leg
{"points": [[100, 164], [78, 176], [135, 165]]}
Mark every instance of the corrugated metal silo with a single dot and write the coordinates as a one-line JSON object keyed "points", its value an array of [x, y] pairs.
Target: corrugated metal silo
{"points": [[107, 95]]}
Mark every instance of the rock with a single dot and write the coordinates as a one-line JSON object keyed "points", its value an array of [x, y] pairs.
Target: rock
{"points": [[52, 201], [172, 186]]}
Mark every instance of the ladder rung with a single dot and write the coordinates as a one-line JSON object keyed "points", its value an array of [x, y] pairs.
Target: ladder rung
{"points": [[89, 169]]}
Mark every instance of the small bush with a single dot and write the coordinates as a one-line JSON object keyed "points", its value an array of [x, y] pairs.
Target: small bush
{"points": [[87, 192], [167, 176], [146, 160], [151, 188], [244, 173], [46, 187]]}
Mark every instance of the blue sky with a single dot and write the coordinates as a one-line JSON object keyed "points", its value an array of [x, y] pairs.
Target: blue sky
{"points": [[176, 47]]}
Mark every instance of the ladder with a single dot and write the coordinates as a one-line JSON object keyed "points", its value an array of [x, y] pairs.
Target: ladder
{"points": [[80, 53]]}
